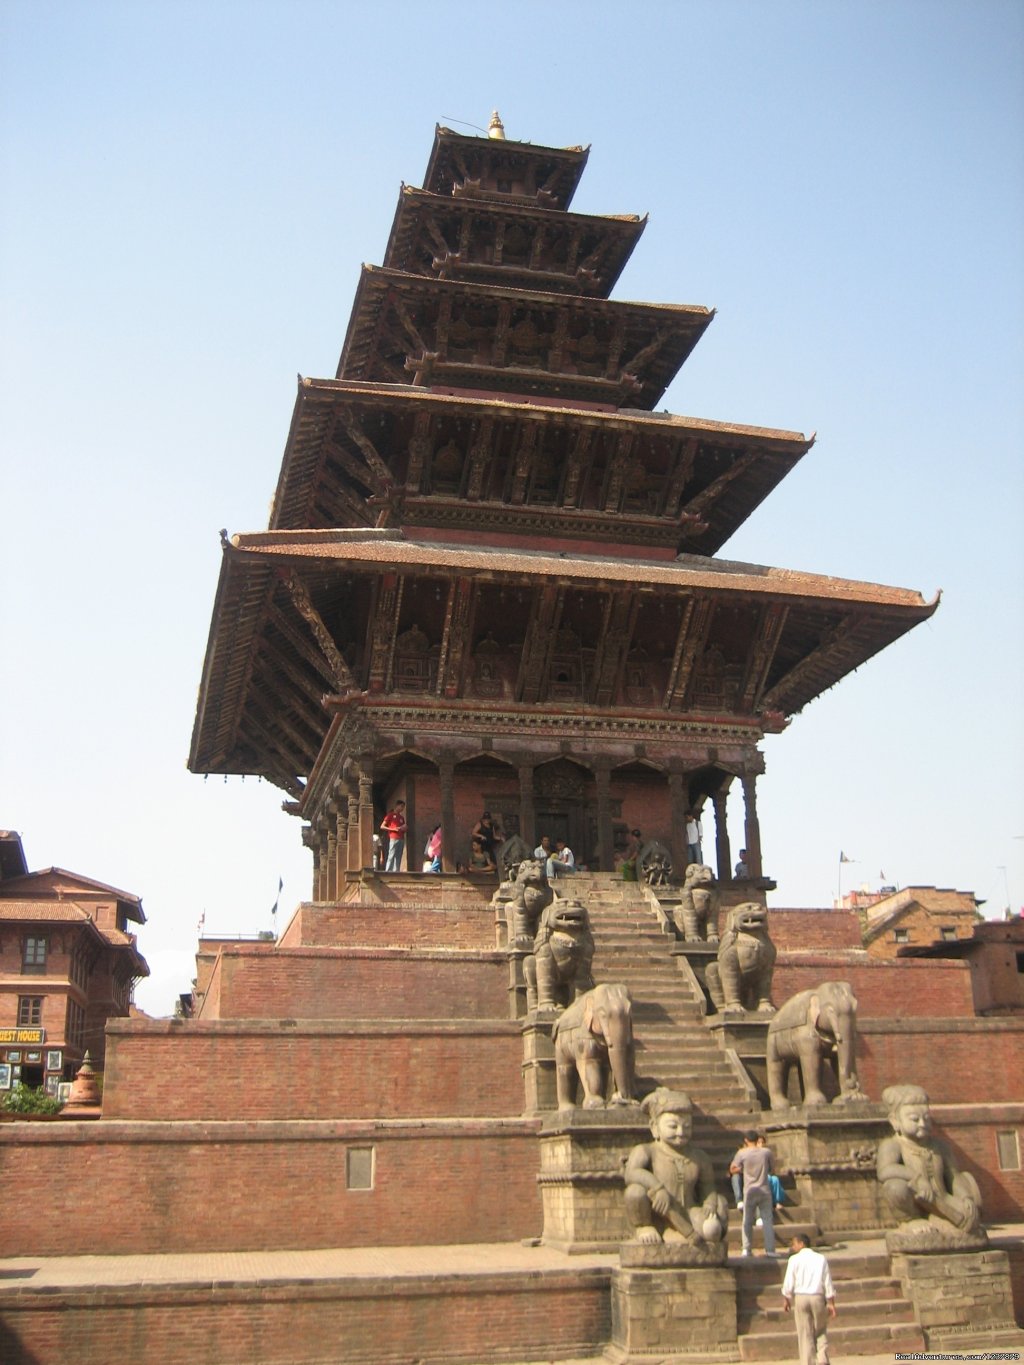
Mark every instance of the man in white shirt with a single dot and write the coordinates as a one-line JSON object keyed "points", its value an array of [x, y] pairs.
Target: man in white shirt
{"points": [[808, 1292]]}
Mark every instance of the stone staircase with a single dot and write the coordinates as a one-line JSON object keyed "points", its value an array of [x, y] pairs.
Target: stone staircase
{"points": [[673, 1046], [873, 1316]]}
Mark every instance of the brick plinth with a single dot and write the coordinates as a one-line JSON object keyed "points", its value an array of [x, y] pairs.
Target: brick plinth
{"points": [[657, 1313], [959, 1295], [264, 1186], [582, 1152], [251, 1069], [388, 1320], [255, 981], [387, 925]]}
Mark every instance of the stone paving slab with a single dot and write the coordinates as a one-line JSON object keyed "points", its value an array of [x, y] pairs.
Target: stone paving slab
{"points": [[266, 1267]]}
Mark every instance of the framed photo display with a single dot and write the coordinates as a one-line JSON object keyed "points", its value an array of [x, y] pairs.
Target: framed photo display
{"points": [[54, 1059], [5, 1075]]}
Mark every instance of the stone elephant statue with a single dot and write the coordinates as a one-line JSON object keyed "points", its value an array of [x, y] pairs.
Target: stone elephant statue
{"points": [[593, 1038], [806, 1030]]}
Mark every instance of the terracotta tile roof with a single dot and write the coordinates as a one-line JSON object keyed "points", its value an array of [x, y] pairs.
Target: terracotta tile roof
{"points": [[42, 910]]}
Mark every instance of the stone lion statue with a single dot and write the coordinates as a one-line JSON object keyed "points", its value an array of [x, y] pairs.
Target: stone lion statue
{"points": [[742, 976], [697, 912], [531, 895], [559, 970]]}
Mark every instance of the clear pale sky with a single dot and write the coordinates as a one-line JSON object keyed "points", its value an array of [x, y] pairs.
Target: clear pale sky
{"points": [[188, 191]]}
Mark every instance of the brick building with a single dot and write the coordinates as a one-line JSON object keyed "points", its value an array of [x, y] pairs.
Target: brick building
{"points": [[916, 916], [68, 963]]}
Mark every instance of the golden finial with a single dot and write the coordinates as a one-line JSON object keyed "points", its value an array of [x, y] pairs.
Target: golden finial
{"points": [[496, 128]]}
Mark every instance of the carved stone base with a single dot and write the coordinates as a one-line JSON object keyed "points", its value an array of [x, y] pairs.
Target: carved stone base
{"points": [[747, 1035], [657, 1255], [959, 1295], [925, 1236], [582, 1154], [668, 1314], [830, 1150], [539, 1062]]}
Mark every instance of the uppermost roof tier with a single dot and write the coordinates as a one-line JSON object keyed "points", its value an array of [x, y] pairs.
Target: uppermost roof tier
{"points": [[495, 168]]}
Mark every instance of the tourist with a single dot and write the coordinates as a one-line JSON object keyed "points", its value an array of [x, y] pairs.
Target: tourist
{"points": [[543, 849], [808, 1293], [774, 1184], [393, 826], [432, 851], [754, 1163], [631, 862], [694, 837], [480, 859], [742, 872]]}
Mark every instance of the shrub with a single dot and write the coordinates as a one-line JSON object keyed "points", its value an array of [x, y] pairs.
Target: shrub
{"points": [[24, 1100]]}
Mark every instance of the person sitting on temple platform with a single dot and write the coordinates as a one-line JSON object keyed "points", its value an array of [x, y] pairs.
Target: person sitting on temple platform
{"points": [[670, 1186], [919, 1178], [479, 858], [742, 872], [561, 863], [485, 831], [543, 849]]}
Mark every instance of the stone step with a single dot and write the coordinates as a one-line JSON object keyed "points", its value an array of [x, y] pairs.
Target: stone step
{"points": [[867, 1291], [863, 1339]]}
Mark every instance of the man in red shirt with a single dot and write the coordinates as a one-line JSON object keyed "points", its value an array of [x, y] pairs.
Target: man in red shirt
{"points": [[393, 826]]}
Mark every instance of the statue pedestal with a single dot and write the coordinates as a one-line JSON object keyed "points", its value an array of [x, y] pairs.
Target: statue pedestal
{"points": [[538, 1060], [663, 1308], [582, 1152], [830, 1149], [958, 1295]]}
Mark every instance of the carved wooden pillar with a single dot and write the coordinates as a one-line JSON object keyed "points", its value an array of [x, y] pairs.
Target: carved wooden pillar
{"points": [[527, 814], [365, 813], [352, 852], [678, 799], [605, 836], [446, 778], [340, 808], [751, 826], [331, 870], [724, 856], [309, 839], [320, 855]]}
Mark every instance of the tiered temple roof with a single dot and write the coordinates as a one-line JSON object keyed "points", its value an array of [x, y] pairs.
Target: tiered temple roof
{"points": [[483, 517]]}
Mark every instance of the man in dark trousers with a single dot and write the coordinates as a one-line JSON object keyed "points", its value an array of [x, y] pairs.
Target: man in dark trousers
{"points": [[808, 1293]]}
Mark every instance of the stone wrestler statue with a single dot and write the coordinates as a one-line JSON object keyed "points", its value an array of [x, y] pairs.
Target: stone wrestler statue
{"points": [[670, 1186], [919, 1178]]}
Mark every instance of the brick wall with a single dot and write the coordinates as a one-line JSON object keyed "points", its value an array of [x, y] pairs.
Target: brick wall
{"points": [[909, 988], [805, 930], [174, 1070], [370, 1320], [971, 1130], [113, 1188], [264, 982], [958, 1061], [408, 926]]}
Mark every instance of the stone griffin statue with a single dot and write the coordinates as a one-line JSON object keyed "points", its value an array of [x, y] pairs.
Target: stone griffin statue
{"points": [[593, 1038], [699, 899], [531, 895], [670, 1186], [559, 970], [808, 1028], [938, 1205], [741, 979]]}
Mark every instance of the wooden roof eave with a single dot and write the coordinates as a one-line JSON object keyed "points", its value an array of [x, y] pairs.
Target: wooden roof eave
{"points": [[574, 158], [690, 321], [242, 592]]}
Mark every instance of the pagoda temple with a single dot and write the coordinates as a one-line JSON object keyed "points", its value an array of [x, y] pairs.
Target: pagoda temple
{"points": [[490, 579]]}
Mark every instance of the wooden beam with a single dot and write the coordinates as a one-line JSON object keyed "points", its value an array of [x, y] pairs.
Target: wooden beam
{"points": [[616, 636], [834, 644], [761, 653], [693, 630], [541, 637], [301, 644], [455, 638], [303, 604], [382, 631]]}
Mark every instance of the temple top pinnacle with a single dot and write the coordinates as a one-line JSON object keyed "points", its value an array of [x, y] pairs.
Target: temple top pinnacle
{"points": [[496, 128]]}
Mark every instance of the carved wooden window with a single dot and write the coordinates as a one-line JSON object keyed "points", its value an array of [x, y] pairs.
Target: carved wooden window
{"points": [[359, 1168], [33, 958], [74, 1029], [30, 1011]]}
